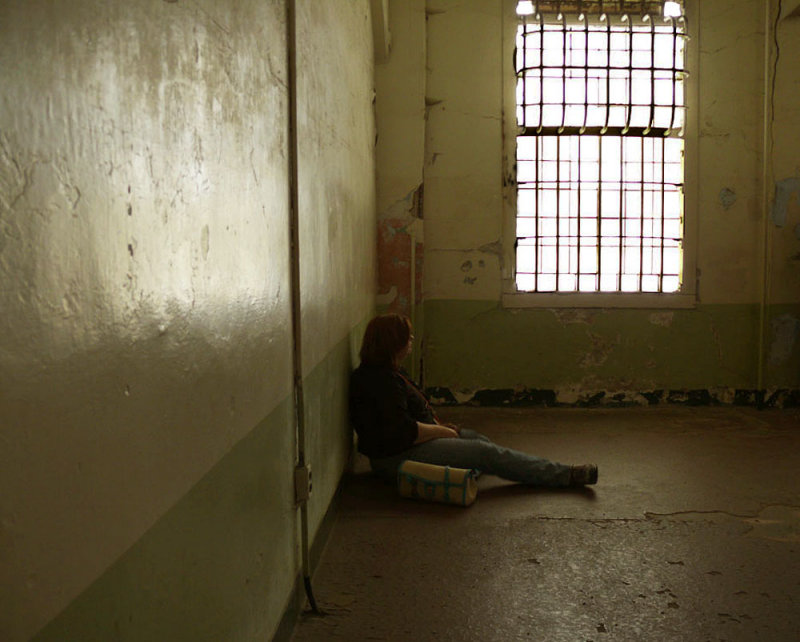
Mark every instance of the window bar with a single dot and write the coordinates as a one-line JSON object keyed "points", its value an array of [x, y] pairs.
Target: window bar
{"points": [[621, 207], [661, 270], [558, 146], [541, 73], [622, 212], [558, 212], [563, 72], [651, 120], [524, 77], [537, 245], [585, 73], [600, 166], [578, 256], [538, 253], [641, 217], [603, 131], [608, 76], [629, 106], [585, 118], [599, 211], [673, 73], [524, 70]]}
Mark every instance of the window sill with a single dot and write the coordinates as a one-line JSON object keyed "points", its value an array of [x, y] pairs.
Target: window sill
{"points": [[598, 300]]}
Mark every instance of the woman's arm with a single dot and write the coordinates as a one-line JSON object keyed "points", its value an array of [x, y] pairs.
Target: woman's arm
{"points": [[426, 432]]}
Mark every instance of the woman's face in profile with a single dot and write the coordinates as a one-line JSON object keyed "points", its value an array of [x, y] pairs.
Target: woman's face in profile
{"points": [[404, 352]]}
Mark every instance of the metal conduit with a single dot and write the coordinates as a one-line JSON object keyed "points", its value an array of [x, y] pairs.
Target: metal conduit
{"points": [[294, 275], [770, 71]]}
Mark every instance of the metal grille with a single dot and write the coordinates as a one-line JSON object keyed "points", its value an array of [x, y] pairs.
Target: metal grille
{"points": [[600, 110]]}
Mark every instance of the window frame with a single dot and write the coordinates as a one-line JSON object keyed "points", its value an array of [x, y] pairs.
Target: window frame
{"points": [[686, 297]]}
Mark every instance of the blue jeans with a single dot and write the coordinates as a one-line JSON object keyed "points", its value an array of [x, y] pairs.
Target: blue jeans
{"points": [[473, 450]]}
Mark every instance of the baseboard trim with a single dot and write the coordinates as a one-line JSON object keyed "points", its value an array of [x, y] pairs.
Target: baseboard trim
{"points": [[773, 398]]}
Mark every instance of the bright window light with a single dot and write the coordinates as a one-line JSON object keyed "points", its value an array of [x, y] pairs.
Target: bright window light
{"points": [[599, 156], [672, 10], [525, 8]]}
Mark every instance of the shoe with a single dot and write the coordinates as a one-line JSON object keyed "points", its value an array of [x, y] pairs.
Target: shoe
{"points": [[583, 475]]}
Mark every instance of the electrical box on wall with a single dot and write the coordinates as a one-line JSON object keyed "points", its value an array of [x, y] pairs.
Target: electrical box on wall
{"points": [[302, 483]]}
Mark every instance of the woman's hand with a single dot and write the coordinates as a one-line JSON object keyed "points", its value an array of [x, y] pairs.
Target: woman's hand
{"points": [[453, 426], [426, 432], [448, 431]]}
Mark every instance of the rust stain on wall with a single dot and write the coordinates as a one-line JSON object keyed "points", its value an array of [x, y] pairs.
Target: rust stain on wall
{"points": [[567, 316], [601, 348], [398, 266]]}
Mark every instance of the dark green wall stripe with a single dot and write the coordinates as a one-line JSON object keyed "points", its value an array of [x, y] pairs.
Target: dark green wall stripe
{"points": [[479, 345]]}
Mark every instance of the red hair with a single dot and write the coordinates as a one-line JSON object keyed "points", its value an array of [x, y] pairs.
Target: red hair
{"points": [[385, 336]]}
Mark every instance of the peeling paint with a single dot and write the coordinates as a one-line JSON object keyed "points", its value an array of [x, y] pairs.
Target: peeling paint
{"points": [[401, 253], [386, 298], [662, 318], [614, 398], [569, 397], [495, 248], [408, 206], [601, 348], [785, 330], [727, 197], [783, 193], [567, 316]]}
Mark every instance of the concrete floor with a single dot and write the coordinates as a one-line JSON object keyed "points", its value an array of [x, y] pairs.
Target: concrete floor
{"points": [[692, 533]]}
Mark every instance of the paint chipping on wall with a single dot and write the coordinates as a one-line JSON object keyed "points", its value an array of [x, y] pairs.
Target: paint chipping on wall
{"points": [[783, 193], [785, 330], [401, 254], [567, 316], [616, 398], [662, 318], [601, 348], [495, 248], [727, 197]]}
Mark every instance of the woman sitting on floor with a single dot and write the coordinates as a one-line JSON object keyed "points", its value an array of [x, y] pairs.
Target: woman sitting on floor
{"points": [[394, 421]]}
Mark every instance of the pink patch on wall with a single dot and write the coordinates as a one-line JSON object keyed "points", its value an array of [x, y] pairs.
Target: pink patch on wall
{"points": [[394, 263]]}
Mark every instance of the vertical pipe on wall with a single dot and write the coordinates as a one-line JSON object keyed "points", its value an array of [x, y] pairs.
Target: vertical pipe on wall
{"points": [[412, 304], [294, 272], [765, 195]]}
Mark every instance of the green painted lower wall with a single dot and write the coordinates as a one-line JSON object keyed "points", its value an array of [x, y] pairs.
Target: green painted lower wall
{"points": [[328, 436], [478, 345], [223, 563], [218, 566]]}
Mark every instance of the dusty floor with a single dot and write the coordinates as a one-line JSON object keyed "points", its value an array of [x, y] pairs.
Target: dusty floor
{"points": [[692, 533]]}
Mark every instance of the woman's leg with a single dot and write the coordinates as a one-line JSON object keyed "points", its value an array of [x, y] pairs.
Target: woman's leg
{"points": [[466, 433], [473, 450]]}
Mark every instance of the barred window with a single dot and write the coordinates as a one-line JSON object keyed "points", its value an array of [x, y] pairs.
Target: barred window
{"points": [[599, 153]]}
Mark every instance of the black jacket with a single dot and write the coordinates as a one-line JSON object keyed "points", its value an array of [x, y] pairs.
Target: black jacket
{"points": [[384, 410]]}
